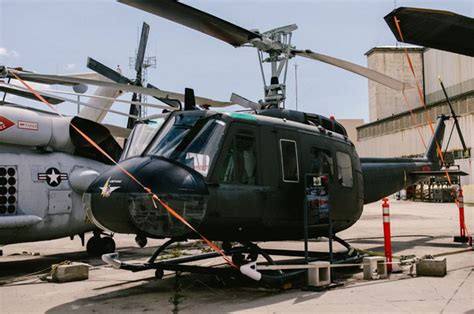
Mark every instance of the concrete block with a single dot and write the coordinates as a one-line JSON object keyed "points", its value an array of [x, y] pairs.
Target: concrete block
{"points": [[431, 267], [71, 272], [375, 267], [319, 276]]}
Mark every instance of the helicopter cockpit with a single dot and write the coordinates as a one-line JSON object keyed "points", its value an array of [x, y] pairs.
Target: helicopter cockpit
{"points": [[191, 139]]}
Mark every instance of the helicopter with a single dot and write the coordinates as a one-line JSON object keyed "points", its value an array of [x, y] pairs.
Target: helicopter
{"points": [[244, 176]]}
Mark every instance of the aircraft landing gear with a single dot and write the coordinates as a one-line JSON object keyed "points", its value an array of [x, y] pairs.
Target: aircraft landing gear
{"points": [[141, 241], [96, 246]]}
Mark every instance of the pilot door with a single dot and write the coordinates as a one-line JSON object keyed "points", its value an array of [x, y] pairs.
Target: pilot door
{"points": [[318, 183], [238, 174]]}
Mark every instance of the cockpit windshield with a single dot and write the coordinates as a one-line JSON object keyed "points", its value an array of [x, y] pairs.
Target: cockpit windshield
{"points": [[189, 139], [141, 136]]}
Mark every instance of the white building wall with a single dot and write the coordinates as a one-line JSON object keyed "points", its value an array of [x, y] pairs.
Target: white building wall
{"points": [[383, 101], [456, 71]]}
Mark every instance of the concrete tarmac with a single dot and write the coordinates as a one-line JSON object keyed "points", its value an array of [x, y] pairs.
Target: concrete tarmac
{"points": [[417, 228]]}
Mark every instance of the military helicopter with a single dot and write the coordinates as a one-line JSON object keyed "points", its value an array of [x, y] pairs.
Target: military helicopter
{"points": [[243, 177]]}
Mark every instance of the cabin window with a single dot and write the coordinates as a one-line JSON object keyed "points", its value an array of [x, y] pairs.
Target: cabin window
{"points": [[240, 161], [344, 169], [289, 161]]}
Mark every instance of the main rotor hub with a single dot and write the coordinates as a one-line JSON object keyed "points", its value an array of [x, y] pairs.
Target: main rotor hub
{"points": [[277, 44]]}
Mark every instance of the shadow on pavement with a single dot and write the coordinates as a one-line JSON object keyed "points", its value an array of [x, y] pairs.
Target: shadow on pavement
{"points": [[198, 293]]}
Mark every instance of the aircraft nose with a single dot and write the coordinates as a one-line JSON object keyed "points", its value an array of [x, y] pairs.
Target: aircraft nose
{"points": [[117, 203]]}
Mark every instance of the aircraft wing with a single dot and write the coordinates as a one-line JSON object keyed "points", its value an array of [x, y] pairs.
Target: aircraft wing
{"points": [[441, 30]]}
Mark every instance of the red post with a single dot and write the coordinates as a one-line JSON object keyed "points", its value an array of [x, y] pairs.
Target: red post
{"points": [[462, 230], [386, 234]]}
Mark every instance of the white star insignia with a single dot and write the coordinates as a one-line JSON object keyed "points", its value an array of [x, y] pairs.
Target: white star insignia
{"points": [[53, 177]]}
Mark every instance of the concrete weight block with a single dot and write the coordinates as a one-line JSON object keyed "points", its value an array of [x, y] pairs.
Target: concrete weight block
{"points": [[375, 267], [431, 267], [71, 272], [319, 276]]}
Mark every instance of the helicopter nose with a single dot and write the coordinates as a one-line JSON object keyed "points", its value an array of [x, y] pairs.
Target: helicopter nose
{"points": [[117, 203]]}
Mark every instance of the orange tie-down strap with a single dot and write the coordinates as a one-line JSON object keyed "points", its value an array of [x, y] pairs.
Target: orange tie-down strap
{"points": [[422, 100], [146, 189]]}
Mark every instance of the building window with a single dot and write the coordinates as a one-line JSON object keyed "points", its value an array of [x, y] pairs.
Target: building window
{"points": [[289, 161], [344, 169]]}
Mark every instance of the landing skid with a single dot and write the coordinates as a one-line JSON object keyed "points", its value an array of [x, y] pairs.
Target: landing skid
{"points": [[243, 256]]}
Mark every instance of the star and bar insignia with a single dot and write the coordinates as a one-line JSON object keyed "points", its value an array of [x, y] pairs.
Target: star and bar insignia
{"points": [[53, 177]]}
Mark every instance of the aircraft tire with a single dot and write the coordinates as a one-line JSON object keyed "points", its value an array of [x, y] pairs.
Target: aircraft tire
{"points": [[159, 273], [93, 246], [141, 241], [107, 245]]}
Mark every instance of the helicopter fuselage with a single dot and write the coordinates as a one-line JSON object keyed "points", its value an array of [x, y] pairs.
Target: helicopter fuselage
{"points": [[239, 176], [254, 187]]}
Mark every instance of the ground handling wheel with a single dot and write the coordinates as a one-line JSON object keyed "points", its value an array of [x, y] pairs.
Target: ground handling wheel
{"points": [[159, 273]]}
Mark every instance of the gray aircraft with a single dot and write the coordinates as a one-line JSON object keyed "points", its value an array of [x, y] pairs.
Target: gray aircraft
{"points": [[45, 168]]}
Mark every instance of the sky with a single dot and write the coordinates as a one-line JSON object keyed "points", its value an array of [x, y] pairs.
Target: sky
{"points": [[56, 37]]}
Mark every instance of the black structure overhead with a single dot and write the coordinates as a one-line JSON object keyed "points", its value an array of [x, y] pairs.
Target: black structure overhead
{"points": [[442, 30]]}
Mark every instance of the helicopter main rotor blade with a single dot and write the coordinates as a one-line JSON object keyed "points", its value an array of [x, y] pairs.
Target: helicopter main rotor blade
{"points": [[104, 70], [355, 68], [18, 91], [143, 104], [244, 102], [58, 99], [170, 102], [68, 80], [142, 48], [193, 18], [437, 29]]}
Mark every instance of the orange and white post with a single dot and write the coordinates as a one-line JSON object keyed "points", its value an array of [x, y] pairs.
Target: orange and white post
{"points": [[386, 234]]}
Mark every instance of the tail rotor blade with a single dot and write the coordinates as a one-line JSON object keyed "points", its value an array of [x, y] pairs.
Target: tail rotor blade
{"points": [[355, 68]]}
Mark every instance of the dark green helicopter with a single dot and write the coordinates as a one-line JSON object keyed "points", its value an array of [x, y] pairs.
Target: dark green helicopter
{"points": [[244, 177]]}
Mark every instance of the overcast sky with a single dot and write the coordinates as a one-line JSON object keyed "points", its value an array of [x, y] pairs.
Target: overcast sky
{"points": [[57, 36]]}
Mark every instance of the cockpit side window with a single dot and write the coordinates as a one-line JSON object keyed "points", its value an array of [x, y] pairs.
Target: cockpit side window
{"points": [[321, 162], [140, 138], [240, 161]]}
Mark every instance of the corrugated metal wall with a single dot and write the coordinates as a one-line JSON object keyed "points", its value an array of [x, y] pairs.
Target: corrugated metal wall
{"points": [[456, 71]]}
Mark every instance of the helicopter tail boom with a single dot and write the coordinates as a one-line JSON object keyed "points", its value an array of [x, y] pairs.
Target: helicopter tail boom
{"points": [[384, 176]]}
